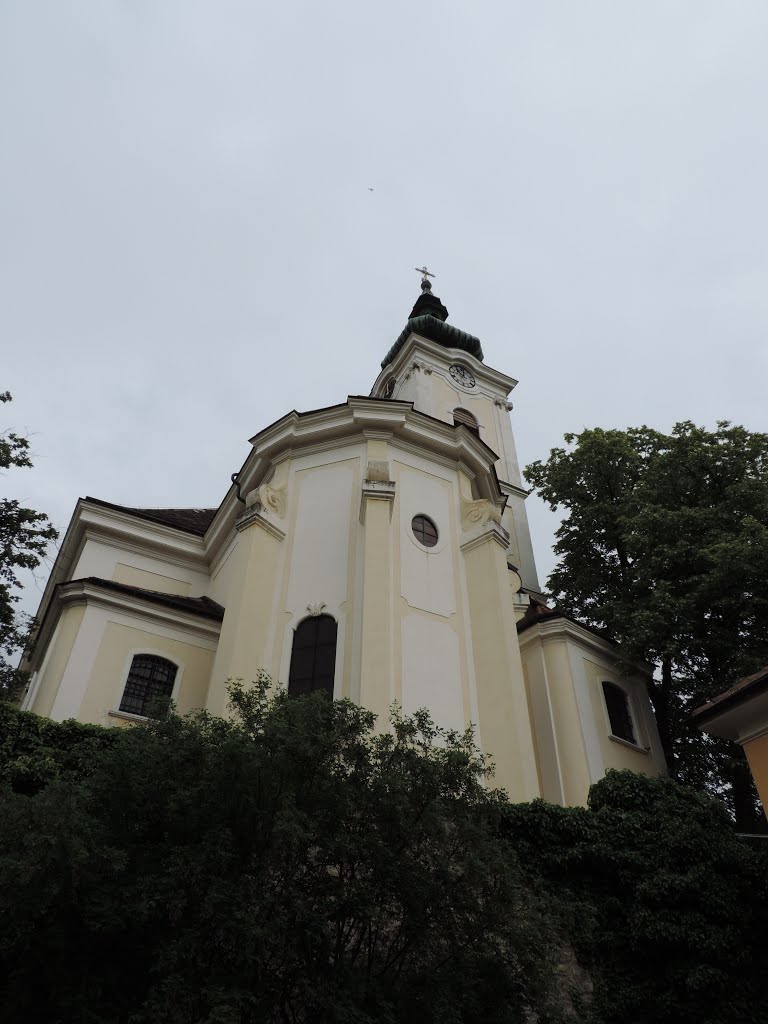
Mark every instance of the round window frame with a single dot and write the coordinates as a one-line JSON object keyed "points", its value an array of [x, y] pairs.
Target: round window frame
{"points": [[419, 541]]}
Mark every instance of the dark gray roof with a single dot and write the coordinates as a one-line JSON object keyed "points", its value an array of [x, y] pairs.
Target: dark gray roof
{"points": [[202, 606], [190, 520], [742, 691]]}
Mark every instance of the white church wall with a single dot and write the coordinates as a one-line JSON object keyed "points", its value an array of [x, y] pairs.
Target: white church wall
{"points": [[425, 380], [222, 573], [124, 564], [93, 678], [537, 685], [431, 675], [431, 658], [324, 500], [646, 755], [42, 695], [427, 575], [125, 636]]}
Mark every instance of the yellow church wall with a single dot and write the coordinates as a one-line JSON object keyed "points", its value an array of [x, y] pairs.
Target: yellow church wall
{"points": [[323, 493], [617, 753], [123, 563], [119, 643], [540, 711], [249, 613], [55, 662], [503, 718], [377, 671], [223, 572], [757, 756], [575, 776], [135, 577]]}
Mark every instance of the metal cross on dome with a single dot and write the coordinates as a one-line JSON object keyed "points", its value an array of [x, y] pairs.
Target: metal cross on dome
{"points": [[425, 274]]}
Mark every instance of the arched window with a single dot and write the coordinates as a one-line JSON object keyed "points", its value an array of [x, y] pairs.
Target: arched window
{"points": [[313, 657], [151, 678], [464, 418], [619, 712]]}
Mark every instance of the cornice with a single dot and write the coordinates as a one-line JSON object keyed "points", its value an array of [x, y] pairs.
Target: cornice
{"points": [[491, 531], [175, 544], [357, 419], [559, 628], [255, 517], [97, 522], [508, 488], [442, 358], [83, 592]]}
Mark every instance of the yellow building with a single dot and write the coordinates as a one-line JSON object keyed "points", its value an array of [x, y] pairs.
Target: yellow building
{"points": [[741, 714], [379, 550]]}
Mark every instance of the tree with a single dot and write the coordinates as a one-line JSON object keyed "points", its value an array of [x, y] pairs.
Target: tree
{"points": [[284, 865], [667, 907], [24, 538], [665, 546]]}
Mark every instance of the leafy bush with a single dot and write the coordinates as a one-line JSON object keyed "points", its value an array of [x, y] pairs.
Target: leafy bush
{"points": [[286, 865]]}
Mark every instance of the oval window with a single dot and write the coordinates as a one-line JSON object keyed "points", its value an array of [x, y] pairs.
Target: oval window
{"points": [[424, 530]]}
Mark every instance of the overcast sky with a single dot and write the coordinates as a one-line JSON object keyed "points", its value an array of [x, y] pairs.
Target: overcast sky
{"points": [[189, 247]]}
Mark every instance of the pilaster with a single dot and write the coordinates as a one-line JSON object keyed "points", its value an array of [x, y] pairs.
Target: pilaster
{"points": [[376, 675], [248, 626], [501, 698]]}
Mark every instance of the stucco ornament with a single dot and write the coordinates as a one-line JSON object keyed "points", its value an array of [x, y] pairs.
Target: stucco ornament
{"points": [[316, 609], [267, 499], [478, 513], [273, 499]]}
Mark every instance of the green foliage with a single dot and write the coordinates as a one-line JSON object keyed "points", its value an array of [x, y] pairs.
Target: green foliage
{"points": [[24, 538], [666, 907], [34, 751], [285, 865], [290, 865], [665, 545]]}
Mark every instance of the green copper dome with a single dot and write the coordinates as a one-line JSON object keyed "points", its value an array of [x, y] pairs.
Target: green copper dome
{"points": [[428, 318]]}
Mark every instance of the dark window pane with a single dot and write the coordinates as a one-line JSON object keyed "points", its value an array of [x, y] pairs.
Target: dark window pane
{"points": [[313, 656], [619, 715], [150, 678], [302, 663], [424, 530], [461, 417], [325, 661]]}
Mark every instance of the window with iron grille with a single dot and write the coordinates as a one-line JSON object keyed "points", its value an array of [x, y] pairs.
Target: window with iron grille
{"points": [[424, 530], [151, 678], [313, 656], [619, 714], [462, 417]]}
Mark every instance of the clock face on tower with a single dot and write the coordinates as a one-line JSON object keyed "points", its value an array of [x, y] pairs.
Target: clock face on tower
{"points": [[462, 376]]}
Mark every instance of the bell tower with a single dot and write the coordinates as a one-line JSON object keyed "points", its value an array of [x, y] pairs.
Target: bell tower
{"points": [[441, 370]]}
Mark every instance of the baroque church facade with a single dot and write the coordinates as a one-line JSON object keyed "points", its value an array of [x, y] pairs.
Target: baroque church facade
{"points": [[378, 550]]}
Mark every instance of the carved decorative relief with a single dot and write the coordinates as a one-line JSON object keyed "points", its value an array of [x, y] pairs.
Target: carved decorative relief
{"points": [[503, 404], [273, 499], [268, 499], [316, 609], [478, 512]]}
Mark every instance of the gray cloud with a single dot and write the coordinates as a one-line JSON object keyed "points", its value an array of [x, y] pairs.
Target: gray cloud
{"points": [[189, 247]]}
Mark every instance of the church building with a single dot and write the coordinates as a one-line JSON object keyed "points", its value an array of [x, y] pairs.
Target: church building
{"points": [[378, 550]]}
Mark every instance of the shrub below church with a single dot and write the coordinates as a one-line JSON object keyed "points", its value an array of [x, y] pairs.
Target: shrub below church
{"points": [[667, 908], [287, 865]]}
